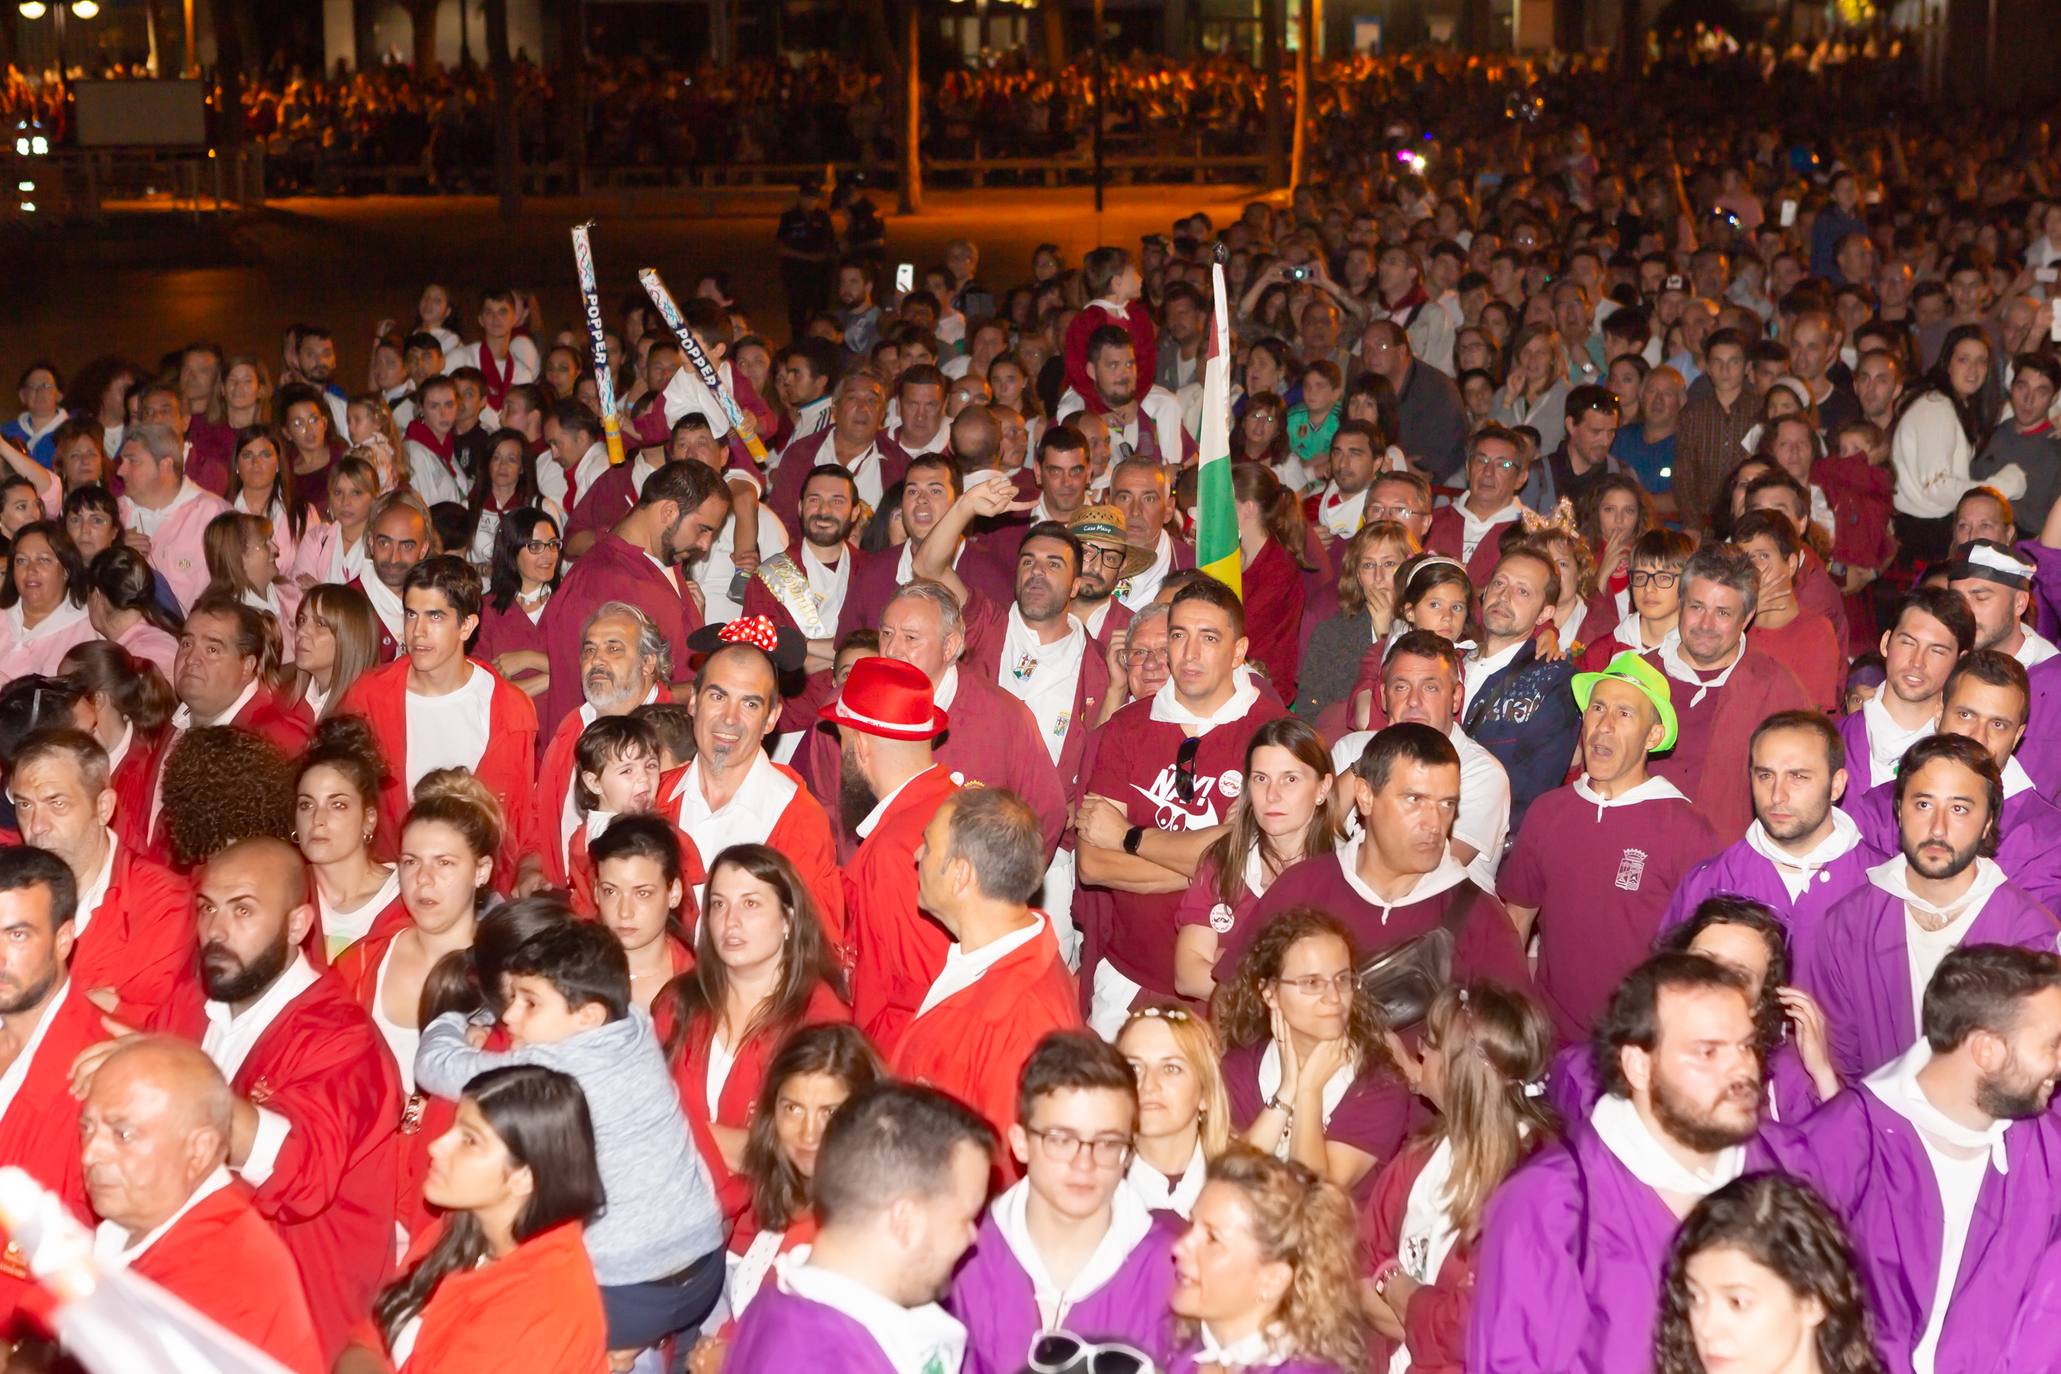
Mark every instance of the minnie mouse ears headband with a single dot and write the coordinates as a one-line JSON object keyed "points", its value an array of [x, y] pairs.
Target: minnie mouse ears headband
{"points": [[782, 644]]}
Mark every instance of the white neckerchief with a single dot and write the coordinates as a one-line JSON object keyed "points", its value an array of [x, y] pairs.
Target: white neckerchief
{"points": [[748, 1271], [231, 1037], [947, 690], [1894, 877], [183, 718], [1474, 529], [32, 434], [111, 1247], [1341, 514], [1798, 872], [386, 604], [147, 522], [1158, 1195], [1335, 1087], [1653, 789], [1427, 1234], [1887, 740], [18, 1072], [826, 583], [962, 970], [1896, 1086], [1043, 676], [1678, 667], [2016, 779], [66, 616], [1129, 1223], [873, 817], [314, 699], [1263, 1349], [95, 892], [1137, 591], [865, 469], [346, 560], [1624, 1133], [1570, 628], [1168, 710], [1450, 873], [121, 748], [915, 1340], [2034, 648], [1631, 632], [905, 567], [593, 465]]}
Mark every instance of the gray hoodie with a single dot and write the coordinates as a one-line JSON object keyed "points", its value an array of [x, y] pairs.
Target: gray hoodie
{"points": [[660, 1212]]}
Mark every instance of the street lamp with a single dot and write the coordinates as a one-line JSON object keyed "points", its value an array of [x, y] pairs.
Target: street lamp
{"points": [[79, 9]]}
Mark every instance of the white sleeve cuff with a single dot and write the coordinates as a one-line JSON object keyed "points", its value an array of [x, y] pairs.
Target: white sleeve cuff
{"points": [[265, 1146]]}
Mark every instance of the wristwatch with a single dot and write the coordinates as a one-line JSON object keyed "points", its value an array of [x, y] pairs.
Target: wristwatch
{"points": [[1132, 837]]}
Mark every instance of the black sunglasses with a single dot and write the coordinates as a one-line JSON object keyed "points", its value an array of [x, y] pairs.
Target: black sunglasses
{"points": [[1184, 768]]}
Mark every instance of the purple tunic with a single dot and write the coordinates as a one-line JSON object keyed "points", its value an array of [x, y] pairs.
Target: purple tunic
{"points": [[1857, 964], [1867, 1161], [2034, 1345], [2039, 753], [1568, 1275], [1853, 734], [993, 1296], [1743, 871], [781, 1332], [2028, 839], [1572, 1086]]}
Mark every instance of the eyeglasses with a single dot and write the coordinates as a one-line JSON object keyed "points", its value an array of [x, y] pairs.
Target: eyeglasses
{"points": [[1317, 984], [1062, 1352], [1184, 767], [1662, 580], [1062, 1146], [1107, 557], [1146, 657], [539, 547], [1493, 464], [1397, 513], [303, 421]]}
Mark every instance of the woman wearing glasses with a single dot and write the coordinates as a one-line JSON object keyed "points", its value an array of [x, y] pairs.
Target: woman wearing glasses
{"points": [[1285, 813], [523, 575], [1308, 1075], [1266, 1277], [1184, 1117], [1655, 584]]}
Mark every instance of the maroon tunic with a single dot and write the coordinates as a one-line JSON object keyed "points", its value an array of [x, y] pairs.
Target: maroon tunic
{"points": [[507, 632], [1133, 763], [1273, 616], [1709, 759], [805, 455], [987, 627]]}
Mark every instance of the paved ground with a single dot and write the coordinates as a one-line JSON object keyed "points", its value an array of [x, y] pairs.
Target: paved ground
{"points": [[146, 283]]}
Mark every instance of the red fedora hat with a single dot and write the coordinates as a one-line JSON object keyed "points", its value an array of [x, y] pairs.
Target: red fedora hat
{"points": [[888, 698]]}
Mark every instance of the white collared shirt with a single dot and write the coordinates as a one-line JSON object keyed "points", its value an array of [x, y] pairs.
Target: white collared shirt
{"points": [[866, 827], [962, 969], [183, 718], [1927, 949], [1450, 873], [914, 1340], [18, 1072], [95, 892], [747, 818], [2034, 648], [229, 1040], [1475, 669], [112, 1248], [1798, 872], [1888, 740]]}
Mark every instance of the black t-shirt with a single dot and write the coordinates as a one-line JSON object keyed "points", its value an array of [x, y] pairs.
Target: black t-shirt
{"points": [[807, 231]]}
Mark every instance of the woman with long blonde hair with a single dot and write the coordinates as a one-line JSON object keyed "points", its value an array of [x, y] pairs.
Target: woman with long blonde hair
{"points": [[335, 642], [1184, 1114], [243, 561], [1265, 1277], [1366, 611], [1485, 1053]]}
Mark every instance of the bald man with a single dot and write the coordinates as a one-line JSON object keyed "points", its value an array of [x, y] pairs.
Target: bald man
{"points": [[317, 1101], [154, 1135]]}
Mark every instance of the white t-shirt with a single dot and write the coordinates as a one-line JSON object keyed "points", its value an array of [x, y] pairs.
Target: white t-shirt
{"points": [[449, 731]]}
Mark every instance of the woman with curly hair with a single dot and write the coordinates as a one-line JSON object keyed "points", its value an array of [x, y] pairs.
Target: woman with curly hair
{"points": [[1761, 1280], [336, 810], [223, 784], [1266, 1277], [1484, 1060], [1307, 1071]]}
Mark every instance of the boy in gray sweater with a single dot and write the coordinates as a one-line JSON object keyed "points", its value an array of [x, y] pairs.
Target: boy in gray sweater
{"points": [[657, 1245]]}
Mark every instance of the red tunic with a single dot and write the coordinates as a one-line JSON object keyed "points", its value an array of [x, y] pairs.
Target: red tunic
{"points": [[580, 882], [422, 1118], [607, 499], [389, 647], [554, 785], [1273, 616], [897, 950], [1809, 647], [537, 1308], [1436, 1323], [322, 1065], [799, 709], [39, 1128], [802, 832], [224, 1260], [140, 942], [134, 781], [381, 697], [973, 1044], [741, 1089], [507, 632], [613, 570], [286, 726]]}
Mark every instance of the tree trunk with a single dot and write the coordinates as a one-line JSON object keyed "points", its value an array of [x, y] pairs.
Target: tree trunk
{"points": [[422, 18], [1270, 61], [501, 67], [230, 57], [1053, 13], [1305, 54], [911, 200]]}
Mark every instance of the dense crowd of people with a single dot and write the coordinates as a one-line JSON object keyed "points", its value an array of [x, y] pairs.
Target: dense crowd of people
{"points": [[1584, 900]]}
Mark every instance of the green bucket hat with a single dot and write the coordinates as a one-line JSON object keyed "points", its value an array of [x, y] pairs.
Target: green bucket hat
{"points": [[1629, 668]]}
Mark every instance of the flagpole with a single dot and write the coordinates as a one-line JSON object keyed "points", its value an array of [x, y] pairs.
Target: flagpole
{"points": [[1216, 513]]}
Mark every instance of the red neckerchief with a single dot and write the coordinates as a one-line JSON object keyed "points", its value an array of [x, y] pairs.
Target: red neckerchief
{"points": [[422, 434], [1408, 304], [2041, 428], [497, 385]]}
